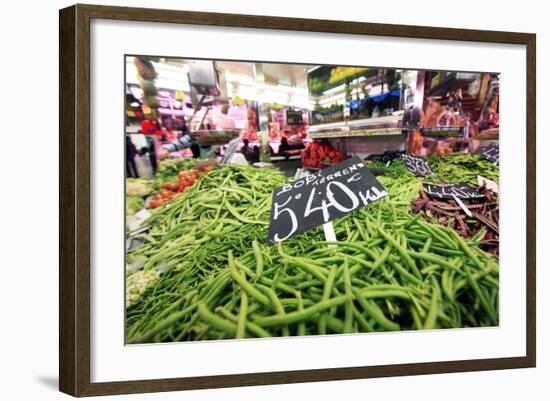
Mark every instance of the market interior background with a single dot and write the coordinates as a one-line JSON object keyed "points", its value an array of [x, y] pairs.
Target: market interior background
{"points": [[349, 110]]}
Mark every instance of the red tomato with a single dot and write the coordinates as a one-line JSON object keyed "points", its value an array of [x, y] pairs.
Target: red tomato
{"points": [[170, 186], [155, 203]]}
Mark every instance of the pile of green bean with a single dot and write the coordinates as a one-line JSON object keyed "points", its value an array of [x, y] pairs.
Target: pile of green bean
{"points": [[389, 270], [394, 169], [463, 167]]}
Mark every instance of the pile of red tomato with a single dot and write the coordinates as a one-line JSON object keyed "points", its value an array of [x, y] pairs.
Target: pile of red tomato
{"points": [[162, 197], [171, 189], [319, 155]]}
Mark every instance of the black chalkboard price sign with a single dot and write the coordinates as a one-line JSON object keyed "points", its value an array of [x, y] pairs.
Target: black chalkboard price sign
{"points": [[319, 198], [491, 153], [449, 191], [417, 165], [294, 117]]}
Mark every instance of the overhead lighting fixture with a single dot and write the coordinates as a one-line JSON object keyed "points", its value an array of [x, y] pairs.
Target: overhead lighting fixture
{"points": [[134, 104]]}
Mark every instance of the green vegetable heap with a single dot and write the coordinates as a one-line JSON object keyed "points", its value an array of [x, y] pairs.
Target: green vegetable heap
{"points": [[463, 167], [168, 170], [389, 270]]}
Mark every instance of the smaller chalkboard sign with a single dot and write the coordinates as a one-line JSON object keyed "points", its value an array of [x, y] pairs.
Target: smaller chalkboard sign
{"points": [[318, 198], [452, 190], [417, 165], [491, 153], [294, 117]]}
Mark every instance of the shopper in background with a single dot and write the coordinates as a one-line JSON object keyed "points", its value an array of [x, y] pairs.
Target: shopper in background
{"points": [[254, 156], [152, 151], [150, 128], [284, 147], [245, 150], [183, 142], [143, 163], [167, 134], [131, 152]]}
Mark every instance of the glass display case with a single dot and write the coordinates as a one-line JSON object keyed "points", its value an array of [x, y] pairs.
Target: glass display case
{"points": [[355, 101]]}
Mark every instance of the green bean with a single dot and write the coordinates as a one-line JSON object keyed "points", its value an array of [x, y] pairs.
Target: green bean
{"points": [[446, 285], [380, 260], [310, 283], [402, 251], [327, 290], [431, 319], [241, 323], [363, 323], [251, 327], [276, 305], [301, 324], [312, 269], [416, 319], [375, 312], [245, 285], [466, 249], [481, 296], [348, 321], [292, 317], [405, 274], [438, 233], [227, 327], [259, 260], [240, 217], [360, 264], [369, 294]]}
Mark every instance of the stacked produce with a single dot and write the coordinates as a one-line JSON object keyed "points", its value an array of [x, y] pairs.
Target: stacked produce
{"points": [[138, 283], [168, 170], [338, 74], [482, 226], [332, 113], [173, 176], [319, 155], [171, 189], [394, 169], [146, 76], [456, 167], [389, 270], [136, 191], [463, 167]]}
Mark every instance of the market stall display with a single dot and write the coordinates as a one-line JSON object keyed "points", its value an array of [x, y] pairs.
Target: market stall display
{"points": [[481, 224], [318, 155], [389, 270], [213, 251]]}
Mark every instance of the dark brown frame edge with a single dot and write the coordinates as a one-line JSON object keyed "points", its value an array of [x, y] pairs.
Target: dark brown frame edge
{"points": [[74, 199]]}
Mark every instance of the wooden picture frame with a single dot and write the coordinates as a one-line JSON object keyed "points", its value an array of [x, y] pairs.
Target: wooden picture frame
{"points": [[75, 206]]}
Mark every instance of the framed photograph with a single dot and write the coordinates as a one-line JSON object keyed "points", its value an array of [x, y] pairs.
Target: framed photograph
{"points": [[249, 200]]}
